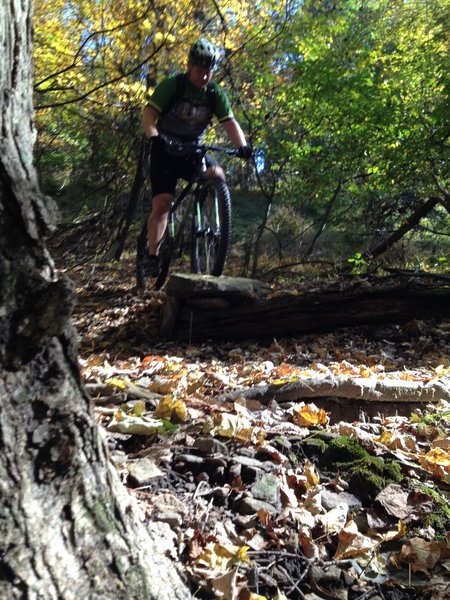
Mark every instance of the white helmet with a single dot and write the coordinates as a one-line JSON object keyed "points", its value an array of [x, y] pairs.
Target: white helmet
{"points": [[204, 54]]}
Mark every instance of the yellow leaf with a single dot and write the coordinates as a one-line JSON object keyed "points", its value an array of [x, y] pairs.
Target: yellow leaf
{"points": [[169, 406], [219, 557], [437, 462], [236, 426], [311, 476], [309, 415], [118, 383]]}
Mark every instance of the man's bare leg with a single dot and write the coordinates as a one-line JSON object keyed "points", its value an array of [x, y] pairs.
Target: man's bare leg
{"points": [[157, 222]]}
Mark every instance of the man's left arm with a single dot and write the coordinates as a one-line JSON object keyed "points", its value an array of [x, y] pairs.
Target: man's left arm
{"points": [[234, 132]]}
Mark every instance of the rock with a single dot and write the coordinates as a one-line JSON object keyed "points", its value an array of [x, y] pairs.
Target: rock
{"points": [[267, 489], [189, 459], [251, 474], [209, 445], [173, 519], [209, 303], [214, 462], [246, 461], [168, 509], [329, 575], [142, 471], [250, 506], [221, 494], [332, 499]]}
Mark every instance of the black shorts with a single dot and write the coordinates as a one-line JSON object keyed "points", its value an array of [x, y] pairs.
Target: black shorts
{"points": [[165, 169]]}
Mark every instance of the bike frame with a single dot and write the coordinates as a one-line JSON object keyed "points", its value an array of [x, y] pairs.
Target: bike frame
{"points": [[194, 184], [174, 235]]}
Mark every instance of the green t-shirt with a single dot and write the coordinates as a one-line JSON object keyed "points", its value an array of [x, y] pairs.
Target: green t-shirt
{"points": [[190, 116]]}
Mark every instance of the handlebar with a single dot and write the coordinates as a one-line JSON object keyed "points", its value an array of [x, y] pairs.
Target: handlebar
{"points": [[202, 148]]}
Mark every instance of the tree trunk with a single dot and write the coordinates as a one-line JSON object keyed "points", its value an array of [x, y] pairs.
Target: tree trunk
{"points": [[136, 196], [323, 220], [408, 225], [68, 529]]}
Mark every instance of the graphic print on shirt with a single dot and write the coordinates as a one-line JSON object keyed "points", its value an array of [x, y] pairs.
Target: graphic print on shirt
{"points": [[186, 121], [192, 113]]}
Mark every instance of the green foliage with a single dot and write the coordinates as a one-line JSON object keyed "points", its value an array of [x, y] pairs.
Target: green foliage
{"points": [[346, 105], [358, 263]]}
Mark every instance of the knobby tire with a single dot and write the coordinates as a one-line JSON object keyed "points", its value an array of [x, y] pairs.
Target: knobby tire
{"points": [[211, 228]]}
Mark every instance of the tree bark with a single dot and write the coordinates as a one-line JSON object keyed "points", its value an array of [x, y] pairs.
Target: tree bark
{"points": [[68, 529]]}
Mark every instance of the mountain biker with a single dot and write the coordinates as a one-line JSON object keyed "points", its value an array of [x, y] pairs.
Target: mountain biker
{"points": [[185, 121]]}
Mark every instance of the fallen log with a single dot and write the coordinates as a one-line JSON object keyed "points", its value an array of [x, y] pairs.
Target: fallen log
{"points": [[190, 314], [364, 389]]}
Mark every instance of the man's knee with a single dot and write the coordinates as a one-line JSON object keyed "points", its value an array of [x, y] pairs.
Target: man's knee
{"points": [[161, 204]]}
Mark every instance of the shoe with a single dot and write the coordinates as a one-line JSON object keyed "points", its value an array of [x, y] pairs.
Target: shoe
{"points": [[151, 265]]}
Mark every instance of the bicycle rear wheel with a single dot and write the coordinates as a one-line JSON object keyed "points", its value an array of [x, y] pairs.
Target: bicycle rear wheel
{"points": [[211, 228]]}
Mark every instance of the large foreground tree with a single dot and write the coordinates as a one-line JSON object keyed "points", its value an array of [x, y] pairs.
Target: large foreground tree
{"points": [[68, 529]]}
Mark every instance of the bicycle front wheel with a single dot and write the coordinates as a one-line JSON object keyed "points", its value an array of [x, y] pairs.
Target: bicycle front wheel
{"points": [[211, 228]]}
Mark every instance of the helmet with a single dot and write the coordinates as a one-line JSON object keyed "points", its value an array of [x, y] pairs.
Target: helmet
{"points": [[204, 54]]}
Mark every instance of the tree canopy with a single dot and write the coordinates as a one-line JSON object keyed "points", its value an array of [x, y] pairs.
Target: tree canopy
{"points": [[345, 103]]}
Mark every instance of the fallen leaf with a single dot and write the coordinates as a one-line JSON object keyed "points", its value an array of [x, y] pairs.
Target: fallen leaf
{"points": [[394, 500], [437, 462], [353, 544], [420, 554], [309, 415], [170, 406], [235, 426], [335, 519], [220, 557]]}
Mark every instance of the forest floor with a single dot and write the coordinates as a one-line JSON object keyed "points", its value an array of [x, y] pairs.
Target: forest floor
{"points": [[271, 499]]}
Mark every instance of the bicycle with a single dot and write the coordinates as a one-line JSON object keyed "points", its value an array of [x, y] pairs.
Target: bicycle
{"points": [[208, 210]]}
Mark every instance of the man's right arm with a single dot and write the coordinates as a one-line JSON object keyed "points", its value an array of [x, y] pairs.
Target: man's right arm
{"points": [[149, 119]]}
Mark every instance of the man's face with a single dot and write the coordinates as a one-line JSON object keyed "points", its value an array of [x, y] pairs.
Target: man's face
{"points": [[199, 77]]}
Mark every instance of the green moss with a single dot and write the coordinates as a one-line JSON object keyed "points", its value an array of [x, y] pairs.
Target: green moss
{"points": [[343, 450], [367, 474], [393, 471], [439, 519], [437, 419], [318, 444], [366, 484]]}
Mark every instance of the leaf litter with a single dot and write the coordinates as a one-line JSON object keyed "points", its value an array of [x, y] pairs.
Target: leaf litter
{"points": [[239, 486]]}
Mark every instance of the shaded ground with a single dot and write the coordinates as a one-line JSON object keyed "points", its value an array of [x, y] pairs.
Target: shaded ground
{"points": [[264, 500]]}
